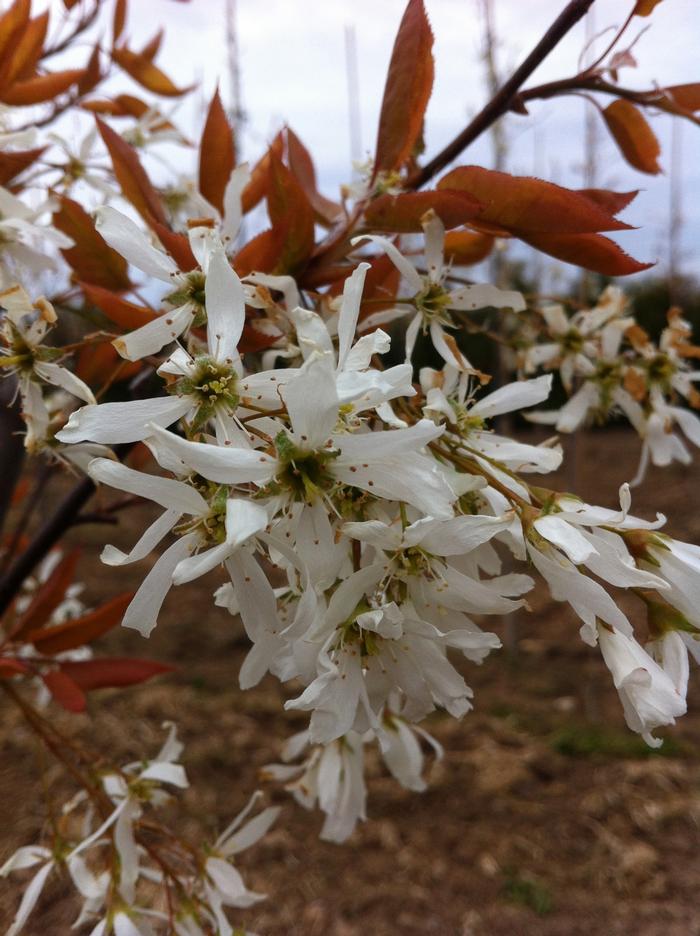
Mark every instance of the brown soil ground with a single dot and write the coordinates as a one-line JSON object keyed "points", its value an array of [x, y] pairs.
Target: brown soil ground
{"points": [[546, 817]]}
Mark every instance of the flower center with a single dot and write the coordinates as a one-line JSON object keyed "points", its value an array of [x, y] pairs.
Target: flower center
{"points": [[660, 370], [191, 290], [572, 341], [432, 302], [212, 385], [303, 474]]}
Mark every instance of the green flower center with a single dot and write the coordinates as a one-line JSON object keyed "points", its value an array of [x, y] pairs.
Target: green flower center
{"points": [[660, 370], [572, 341], [212, 385], [432, 302], [350, 633], [191, 291], [304, 474]]}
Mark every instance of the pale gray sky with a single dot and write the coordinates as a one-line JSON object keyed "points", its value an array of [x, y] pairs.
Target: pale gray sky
{"points": [[292, 63]]}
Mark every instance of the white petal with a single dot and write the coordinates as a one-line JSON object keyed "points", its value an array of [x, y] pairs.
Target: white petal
{"points": [[513, 396], [459, 535], [284, 284], [142, 613], [448, 350], [258, 609], [227, 465], [194, 566], [575, 410], [166, 773], [312, 334], [350, 311], [244, 518], [155, 335], [404, 266], [689, 423], [312, 402], [60, 377], [566, 537], [239, 178], [114, 423], [434, 231], [153, 535], [25, 857], [129, 240], [29, 899], [367, 446], [251, 832], [359, 357], [482, 295], [225, 306], [170, 494]]}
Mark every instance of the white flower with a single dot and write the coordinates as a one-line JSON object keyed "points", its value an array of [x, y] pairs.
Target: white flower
{"points": [[332, 776], [187, 295], [31, 855], [676, 564], [312, 458], [136, 785], [23, 328], [203, 388], [431, 302], [649, 697], [218, 526], [661, 444], [446, 398], [579, 341], [222, 882], [23, 238], [402, 752]]}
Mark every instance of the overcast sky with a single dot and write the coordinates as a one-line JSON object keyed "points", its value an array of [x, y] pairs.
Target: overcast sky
{"points": [[293, 68]]}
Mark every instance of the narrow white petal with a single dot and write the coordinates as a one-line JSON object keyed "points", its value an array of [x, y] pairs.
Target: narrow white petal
{"points": [[227, 465], [513, 396], [238, 180], [194, 566], [404, 266], [225, 306], [150, 539], [434, 231], [372, 445], [251, 832], [60, 377], [155, 335], [350, 311], [142, 613], [482, 295], [312, 402], [129, 240], [566, 537], [29, 899], [114, 423], [171, 494]]}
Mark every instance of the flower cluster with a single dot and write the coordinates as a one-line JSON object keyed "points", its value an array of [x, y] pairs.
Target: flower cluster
{"points": [[132, 874], [369, 527], [609, 366], [350, 492]]}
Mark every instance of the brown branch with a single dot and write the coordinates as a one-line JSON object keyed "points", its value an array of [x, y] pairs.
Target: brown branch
{"points": [[503, 100], [11, 444], [654, 97], [47, 536]]}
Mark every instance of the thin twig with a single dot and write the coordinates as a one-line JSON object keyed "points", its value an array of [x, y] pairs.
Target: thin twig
{"points": [[503, 100], [47, 536]]}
